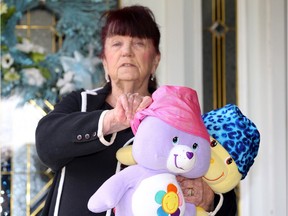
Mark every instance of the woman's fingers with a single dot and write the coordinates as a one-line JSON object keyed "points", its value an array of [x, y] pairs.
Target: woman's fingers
{"points": [[196, 191], [126, 106], [135, 103], [145, 102]]}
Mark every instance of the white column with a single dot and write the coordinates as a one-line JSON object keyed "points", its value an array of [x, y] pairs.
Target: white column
{"points": [[262, 81]]}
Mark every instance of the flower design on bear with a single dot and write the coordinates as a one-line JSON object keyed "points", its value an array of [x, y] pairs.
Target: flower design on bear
{"points": [[169, 201]]}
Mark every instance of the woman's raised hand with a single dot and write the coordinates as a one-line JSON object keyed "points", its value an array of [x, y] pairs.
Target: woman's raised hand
{"points": [[126, 106]]}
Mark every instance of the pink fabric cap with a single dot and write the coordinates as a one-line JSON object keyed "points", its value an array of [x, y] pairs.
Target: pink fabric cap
{"points": [[177, 106]]}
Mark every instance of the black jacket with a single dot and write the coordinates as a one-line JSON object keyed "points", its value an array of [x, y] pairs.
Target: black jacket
{"points": [[67, 137]]}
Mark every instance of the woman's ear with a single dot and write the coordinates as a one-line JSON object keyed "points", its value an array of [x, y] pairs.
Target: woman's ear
{"points": [[156, 62], [157, 59], [104, 62]]}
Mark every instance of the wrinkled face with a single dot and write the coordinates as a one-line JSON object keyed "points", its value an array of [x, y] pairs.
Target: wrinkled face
{"points": [[159, 146], [129, 58], [222, 175]]}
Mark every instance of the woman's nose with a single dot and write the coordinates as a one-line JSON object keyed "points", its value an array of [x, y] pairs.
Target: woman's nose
{"points": [[127, 50]]}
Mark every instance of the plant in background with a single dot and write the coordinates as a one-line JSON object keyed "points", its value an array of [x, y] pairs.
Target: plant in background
{"points": [[5, 13], [22, 68], [27, 71]]}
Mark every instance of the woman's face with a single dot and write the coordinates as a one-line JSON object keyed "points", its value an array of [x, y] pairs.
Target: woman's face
{"points": [[129, 59]]}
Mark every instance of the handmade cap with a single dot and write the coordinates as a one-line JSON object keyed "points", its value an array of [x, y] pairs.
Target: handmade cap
{"points": [[177, 106], [236, 133]]}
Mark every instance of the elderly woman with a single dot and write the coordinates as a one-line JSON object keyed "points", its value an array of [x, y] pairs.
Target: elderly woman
{"points": [[78, 140]]}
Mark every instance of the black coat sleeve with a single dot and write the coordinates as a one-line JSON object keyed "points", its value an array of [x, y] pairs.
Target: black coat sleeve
{"points": [[229, 207], [66, 132]]}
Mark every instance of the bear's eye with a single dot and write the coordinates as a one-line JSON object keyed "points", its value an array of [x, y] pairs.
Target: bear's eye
{"points": [[175, 140], [213, 143], [194, 146], [229, 160]]}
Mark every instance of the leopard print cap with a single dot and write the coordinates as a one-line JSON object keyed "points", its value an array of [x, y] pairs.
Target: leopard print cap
{"points": [[236, 133]]}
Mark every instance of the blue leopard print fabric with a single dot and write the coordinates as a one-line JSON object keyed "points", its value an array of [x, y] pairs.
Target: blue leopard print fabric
{"points": [[236, 133]]}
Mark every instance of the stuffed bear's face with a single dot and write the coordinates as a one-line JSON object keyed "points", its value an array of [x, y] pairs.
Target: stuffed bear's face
{"points": [[222, 175], [159, 146]]}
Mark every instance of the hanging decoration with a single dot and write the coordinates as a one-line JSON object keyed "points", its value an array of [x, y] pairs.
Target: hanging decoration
{"points": [[27, 71]]}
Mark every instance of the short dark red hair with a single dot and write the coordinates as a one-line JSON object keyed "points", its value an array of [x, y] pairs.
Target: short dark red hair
{"points": [[134, 21]]}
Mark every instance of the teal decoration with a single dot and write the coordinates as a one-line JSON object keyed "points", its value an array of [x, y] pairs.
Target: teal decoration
{"points": [[27, 71]]}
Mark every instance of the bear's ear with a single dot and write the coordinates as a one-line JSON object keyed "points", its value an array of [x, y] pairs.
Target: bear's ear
{"points": [[124, 156]]}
